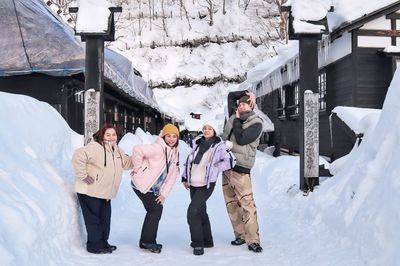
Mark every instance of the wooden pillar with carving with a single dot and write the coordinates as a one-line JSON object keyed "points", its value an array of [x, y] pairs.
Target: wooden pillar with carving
{"points": [[308, 63]]}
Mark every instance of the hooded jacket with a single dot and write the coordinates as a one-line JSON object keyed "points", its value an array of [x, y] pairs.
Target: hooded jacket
{"points": [[149, 162], [104, 165], [221, 159]]}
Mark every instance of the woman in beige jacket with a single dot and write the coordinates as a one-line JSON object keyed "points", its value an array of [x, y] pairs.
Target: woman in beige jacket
{"points": [[98, 171]]}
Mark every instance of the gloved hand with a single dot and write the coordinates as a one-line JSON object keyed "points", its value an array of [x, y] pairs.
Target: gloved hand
{"points": [[228, 144], [88, 180]]}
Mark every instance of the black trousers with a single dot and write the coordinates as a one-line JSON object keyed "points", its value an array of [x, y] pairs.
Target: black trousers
{"points": [[197, 217], [152, 218], [97, 216]]}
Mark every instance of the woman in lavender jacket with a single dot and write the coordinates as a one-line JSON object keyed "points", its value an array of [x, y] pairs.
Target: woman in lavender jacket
{"points": [[208, 158]]}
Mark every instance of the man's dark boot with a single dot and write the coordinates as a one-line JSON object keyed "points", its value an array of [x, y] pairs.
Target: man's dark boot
{"points": [[255, 247], [238, 241]]}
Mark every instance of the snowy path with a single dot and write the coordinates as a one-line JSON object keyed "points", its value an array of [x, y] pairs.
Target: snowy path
{"points": [[286, 239]]}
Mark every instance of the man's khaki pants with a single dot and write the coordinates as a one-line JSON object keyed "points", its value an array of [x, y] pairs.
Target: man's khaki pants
{"points": [[238, 195]]}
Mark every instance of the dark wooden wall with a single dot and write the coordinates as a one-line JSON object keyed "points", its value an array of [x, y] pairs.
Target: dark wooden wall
{"points": [[339, 83], [374, 73], [42, 87], [120, 109], [360, 79]]}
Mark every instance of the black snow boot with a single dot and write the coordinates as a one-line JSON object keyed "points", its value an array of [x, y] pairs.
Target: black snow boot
{"points": [[238, 241], [198, 251], [111, 247], [155, 248], [255, 247]]}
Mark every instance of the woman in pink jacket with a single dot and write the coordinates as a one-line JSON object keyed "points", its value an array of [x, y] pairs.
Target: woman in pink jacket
{"points": [[155, 169]]}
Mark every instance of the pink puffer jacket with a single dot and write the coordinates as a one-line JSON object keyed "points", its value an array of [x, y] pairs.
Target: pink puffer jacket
{"points": [[149, 161]]}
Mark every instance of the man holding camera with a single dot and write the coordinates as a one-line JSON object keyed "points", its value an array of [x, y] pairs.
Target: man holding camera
{"points": [[243, 129]]}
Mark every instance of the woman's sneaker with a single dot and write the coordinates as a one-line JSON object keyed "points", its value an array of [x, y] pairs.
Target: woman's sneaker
{"points": [[111, 247], [155, 248], [238, 241], [255, 247], [104, 250], [198, 251]]}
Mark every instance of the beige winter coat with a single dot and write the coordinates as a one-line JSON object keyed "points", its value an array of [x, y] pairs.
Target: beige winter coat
{"points": [[104, 165]]}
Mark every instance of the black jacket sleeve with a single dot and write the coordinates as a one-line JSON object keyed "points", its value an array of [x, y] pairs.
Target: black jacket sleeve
{"points": [[248, 135], [233, 96]]}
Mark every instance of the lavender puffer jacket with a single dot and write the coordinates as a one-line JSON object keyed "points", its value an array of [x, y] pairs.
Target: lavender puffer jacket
{"points": [[221, 159]]}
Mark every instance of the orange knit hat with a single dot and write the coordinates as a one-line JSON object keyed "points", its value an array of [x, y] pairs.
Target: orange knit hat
{"points": [[169, 129]]}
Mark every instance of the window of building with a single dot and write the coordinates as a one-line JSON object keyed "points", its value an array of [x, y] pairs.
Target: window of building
{"points": [[116, 114], [78, 95], [296, 98], [292, 99], [289, 101], [322, 90], [281, 102]]}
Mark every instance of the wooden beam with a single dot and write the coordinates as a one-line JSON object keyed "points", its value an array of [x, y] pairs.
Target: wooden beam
{"points": [[379, 33], [393, 16]]}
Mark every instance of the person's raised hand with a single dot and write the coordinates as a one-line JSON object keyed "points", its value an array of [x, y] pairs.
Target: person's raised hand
{"points": [[252, 99]]}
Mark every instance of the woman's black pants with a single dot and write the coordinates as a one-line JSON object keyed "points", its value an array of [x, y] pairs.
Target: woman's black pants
{"points": [[97, 216], [197, 217], [152, 218]]}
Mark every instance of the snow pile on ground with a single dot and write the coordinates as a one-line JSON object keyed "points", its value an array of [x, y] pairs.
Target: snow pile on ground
{"points": [[39, 220], [362, 199]]}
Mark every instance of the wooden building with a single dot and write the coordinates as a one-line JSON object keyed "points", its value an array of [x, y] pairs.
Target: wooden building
{"points": [[49, 66], [65, 94], [196, 115], [356, 66]]}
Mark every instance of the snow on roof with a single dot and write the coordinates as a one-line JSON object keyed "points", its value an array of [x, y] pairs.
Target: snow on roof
{"points": [[392, 49], [268, 71], [286, 54], [346, 11], [27, 48], [93, 16], [360, 120], [305, 27], [309, 10]]}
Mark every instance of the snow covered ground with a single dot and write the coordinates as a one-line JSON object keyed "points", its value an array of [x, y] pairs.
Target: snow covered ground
{"points": [[351, 219]]}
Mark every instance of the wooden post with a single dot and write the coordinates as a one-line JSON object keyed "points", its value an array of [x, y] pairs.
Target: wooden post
{"points": [[308, 68], [308, 64], [94, 79], [92, 122], [311, 139]]}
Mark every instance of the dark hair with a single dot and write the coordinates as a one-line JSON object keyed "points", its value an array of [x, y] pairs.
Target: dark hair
{"points": [[99, 135]]}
